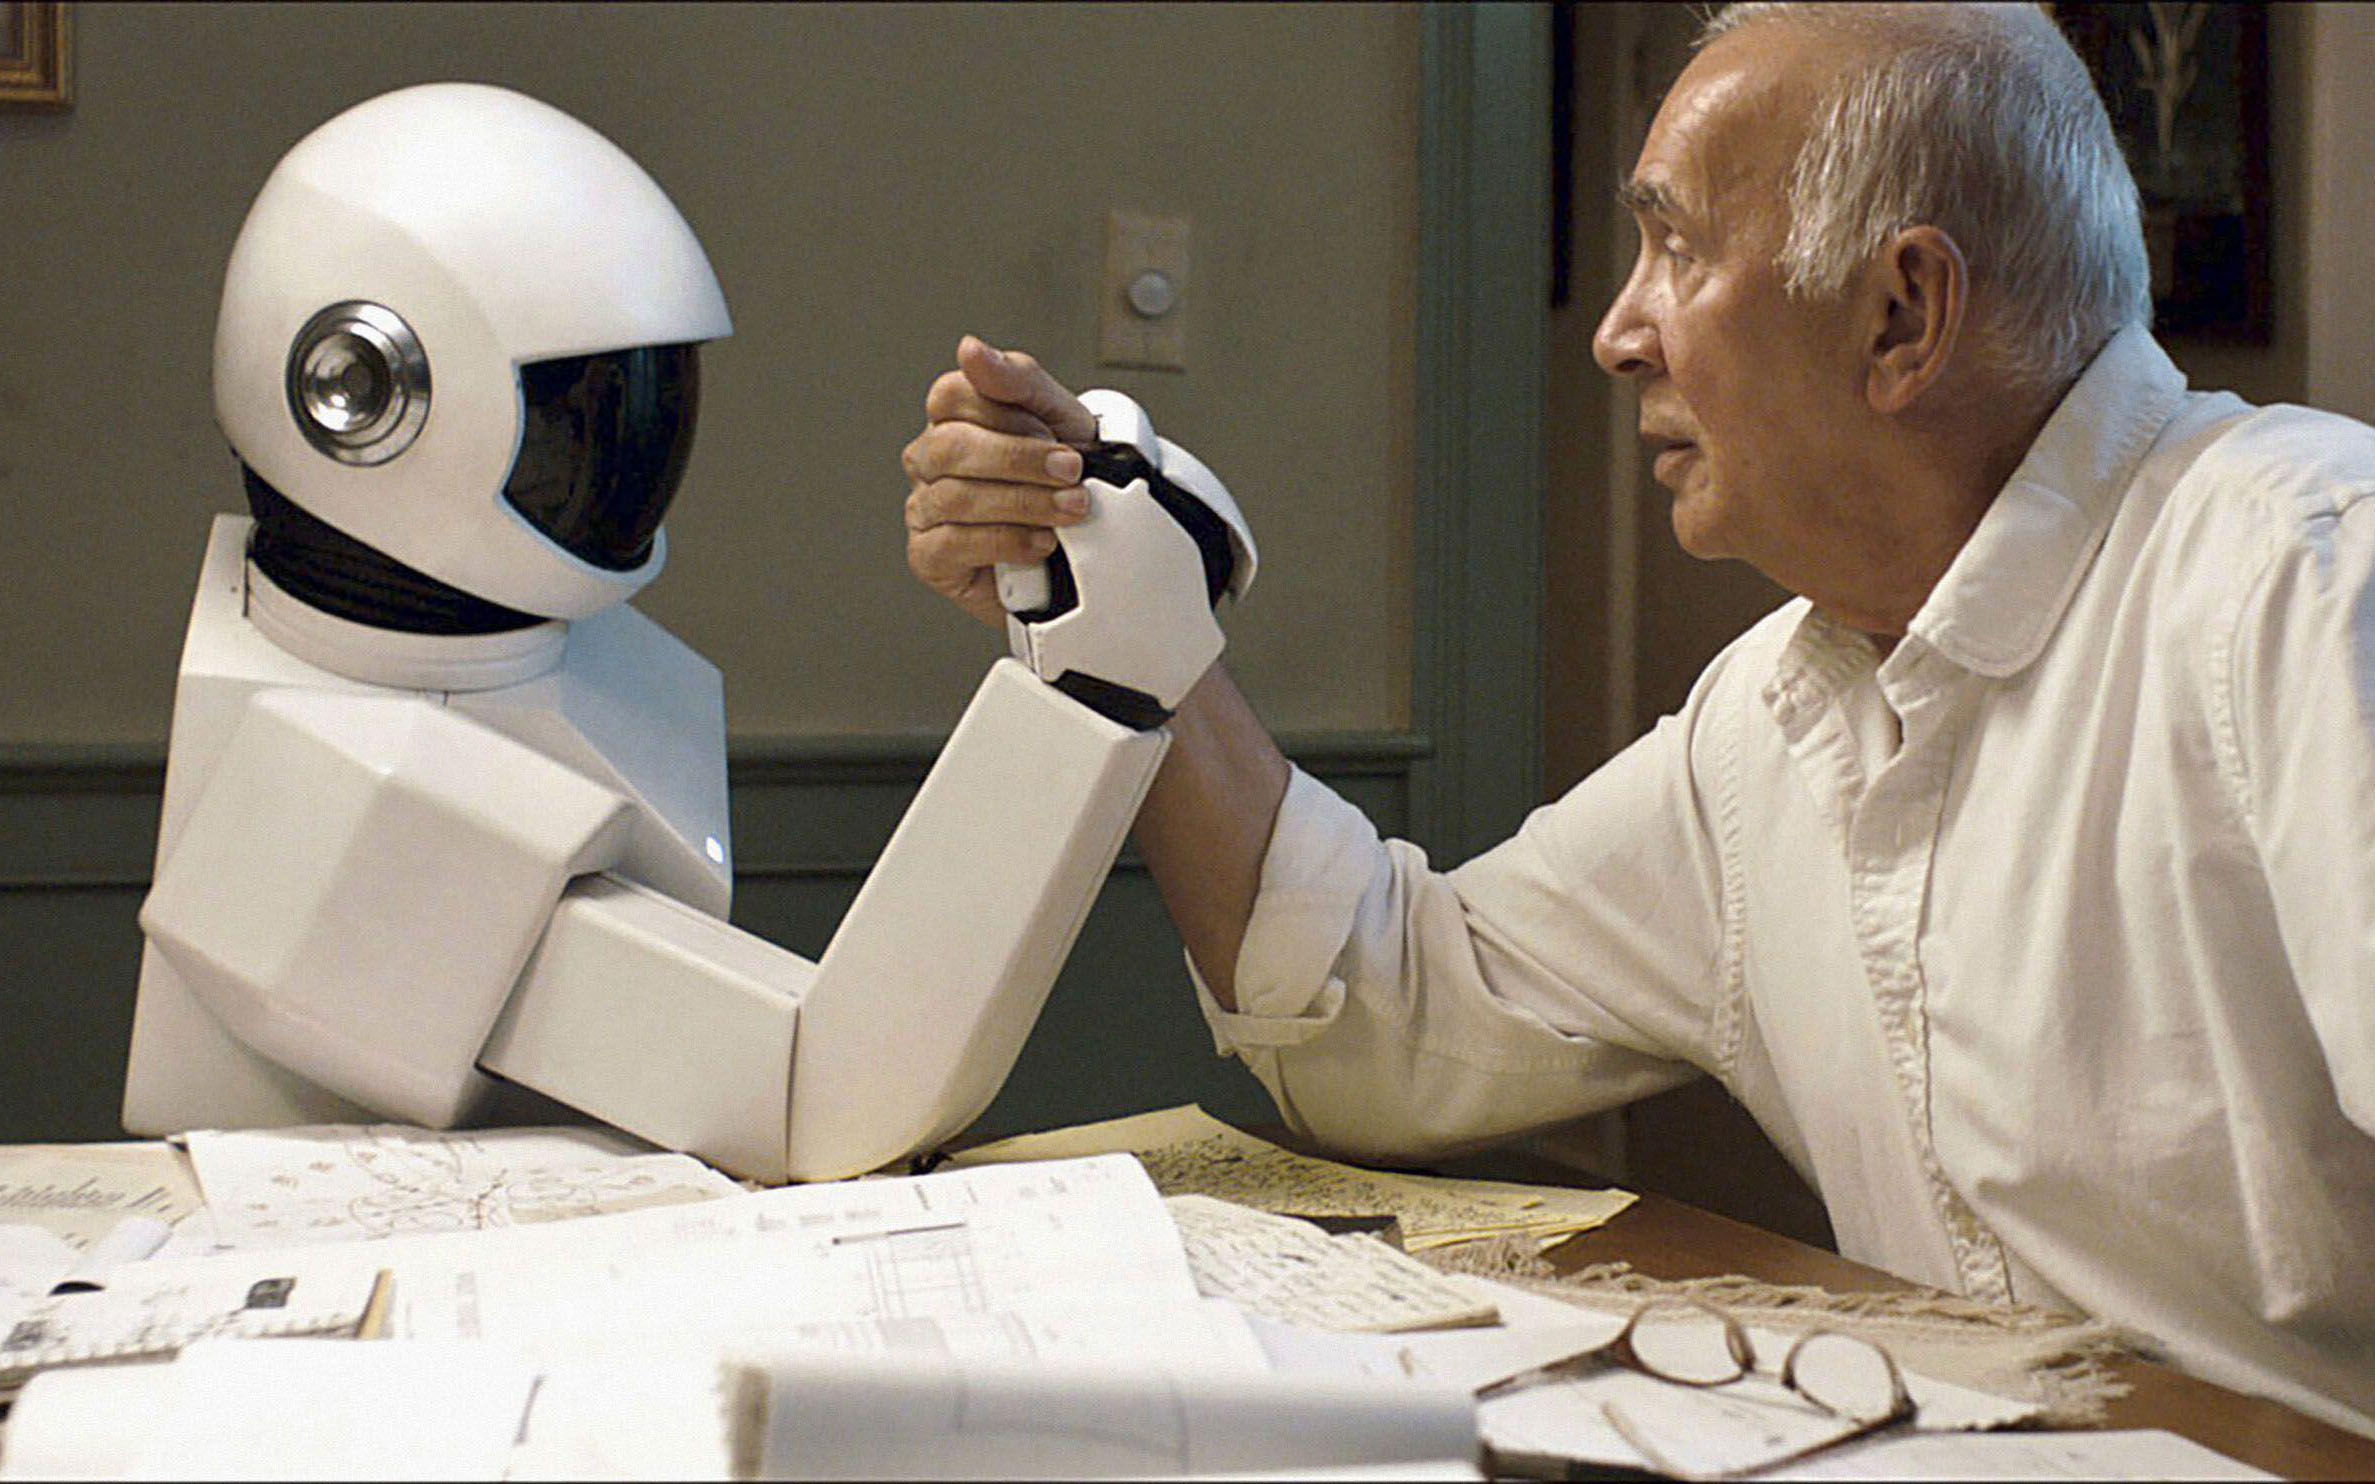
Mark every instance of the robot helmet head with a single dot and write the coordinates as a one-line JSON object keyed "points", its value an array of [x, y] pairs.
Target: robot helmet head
{"points": [[459, 329]]}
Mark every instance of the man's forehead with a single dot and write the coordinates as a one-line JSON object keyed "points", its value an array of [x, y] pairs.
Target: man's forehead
{"points": [[1732, 121]]}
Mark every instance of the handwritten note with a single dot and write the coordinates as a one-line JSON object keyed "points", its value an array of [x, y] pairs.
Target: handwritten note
{"points": [[81, 1192], [1291, 1271], [340, 1182], [1189, 1152]]}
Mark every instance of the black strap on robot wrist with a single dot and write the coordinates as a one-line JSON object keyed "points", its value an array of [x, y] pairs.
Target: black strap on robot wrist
{"points": [[1131, 707]]}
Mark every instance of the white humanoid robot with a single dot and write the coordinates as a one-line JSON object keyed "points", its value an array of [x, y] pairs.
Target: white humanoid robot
{"points": [[439, 804]]}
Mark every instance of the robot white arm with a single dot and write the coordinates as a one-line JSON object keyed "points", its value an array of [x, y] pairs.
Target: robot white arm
{"points": [[677, 1026], [922, 1001], [444, 904]]}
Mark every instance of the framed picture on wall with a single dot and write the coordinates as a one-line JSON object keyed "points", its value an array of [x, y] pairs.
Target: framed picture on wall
{"points": [[36, 55], [2187, 89]]}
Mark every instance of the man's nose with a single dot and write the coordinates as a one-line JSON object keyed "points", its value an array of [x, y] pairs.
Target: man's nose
{"points": [[1626, 343]]}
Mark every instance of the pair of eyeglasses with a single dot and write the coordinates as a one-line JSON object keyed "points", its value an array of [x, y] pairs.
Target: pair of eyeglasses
{"points": [[1843, 1376], [1691, 1344]]}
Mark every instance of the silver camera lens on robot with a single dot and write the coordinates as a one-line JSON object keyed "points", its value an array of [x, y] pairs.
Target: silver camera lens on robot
{"points": [[358, 382]]}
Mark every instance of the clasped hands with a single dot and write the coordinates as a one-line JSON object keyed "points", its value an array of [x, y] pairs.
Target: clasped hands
{"points": [[993, 475]]}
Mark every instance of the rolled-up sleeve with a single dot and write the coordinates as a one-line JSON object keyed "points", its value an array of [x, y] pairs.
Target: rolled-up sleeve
{"points": [[1393, 1010]]}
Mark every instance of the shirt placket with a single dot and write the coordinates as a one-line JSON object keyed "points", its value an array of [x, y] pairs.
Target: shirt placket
{"points": [[1887, 827], [1892, 840]]}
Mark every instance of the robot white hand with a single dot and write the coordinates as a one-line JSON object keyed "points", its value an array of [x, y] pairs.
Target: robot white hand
{"points": [[1120, 616]]}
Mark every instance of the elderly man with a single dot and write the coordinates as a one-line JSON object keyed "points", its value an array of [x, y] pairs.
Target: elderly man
{"points": [[2019, 877]]}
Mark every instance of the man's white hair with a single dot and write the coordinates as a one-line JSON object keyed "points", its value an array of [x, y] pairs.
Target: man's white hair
{"points": [[1979, 120]]}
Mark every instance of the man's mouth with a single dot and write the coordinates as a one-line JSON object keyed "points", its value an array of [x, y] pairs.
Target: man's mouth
{"points": [[1665, 451]]}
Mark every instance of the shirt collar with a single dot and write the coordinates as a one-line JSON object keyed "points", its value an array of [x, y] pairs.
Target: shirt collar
{"points": [[2007, 588]]}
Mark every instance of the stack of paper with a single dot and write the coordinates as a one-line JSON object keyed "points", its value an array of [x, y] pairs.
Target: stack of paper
{"points": [[1189, 1152], [323, 1409], [1009, 1260], [1048, 1318], [1038, 1317], [306, 1409]]}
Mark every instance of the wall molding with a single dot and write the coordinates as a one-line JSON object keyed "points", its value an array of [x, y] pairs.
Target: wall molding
{"points": [[1483, 367], [79, 817], [85, 816]]}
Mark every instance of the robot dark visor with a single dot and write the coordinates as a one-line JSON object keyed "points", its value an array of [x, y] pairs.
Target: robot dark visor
{"points": [[604, 444]]}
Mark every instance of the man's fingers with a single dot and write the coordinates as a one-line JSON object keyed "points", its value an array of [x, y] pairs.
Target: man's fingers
{"points": [[1018, 380], [973, 502], [971, 587], [967, 450], [953, 398], [950, 557], [979, 597], [990, 475]]}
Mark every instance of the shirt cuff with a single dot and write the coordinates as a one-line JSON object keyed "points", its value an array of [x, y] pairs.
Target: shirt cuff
{"points": [[1322, 856], [1234, 1031]]}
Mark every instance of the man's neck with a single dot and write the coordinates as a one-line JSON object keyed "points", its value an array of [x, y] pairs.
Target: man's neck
{"points": [[1943, 487]]}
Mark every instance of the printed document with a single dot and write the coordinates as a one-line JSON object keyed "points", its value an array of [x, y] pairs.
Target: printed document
{"points": [[1043, 1240], [967, 1242]]}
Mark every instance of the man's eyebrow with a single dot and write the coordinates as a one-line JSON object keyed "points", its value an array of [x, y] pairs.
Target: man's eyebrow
{"points": [[1648, 198]]}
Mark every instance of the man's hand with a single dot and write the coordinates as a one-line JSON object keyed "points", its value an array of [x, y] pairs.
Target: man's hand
{"points": [[992, 474]]}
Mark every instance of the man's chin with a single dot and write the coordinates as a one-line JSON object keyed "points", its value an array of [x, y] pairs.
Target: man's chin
{"points": [[1696, 529]]}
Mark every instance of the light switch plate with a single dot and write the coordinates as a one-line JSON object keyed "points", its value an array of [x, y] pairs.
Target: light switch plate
{"points": [[1138, 243]]}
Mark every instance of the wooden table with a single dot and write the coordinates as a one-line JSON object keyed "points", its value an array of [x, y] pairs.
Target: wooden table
{"points": [[1666, 1239]]}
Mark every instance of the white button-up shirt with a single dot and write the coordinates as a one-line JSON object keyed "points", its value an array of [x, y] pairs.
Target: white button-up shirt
{"points": [[2044, 947]]}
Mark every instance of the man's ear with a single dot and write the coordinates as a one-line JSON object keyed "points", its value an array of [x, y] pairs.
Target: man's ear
{"points": [[1921, 284]]}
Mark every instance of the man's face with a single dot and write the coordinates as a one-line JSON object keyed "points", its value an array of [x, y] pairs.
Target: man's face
{"points": [[1746, 394]]}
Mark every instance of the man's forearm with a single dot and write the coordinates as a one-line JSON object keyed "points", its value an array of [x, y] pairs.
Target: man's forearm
{"points": [[1206, 824]]}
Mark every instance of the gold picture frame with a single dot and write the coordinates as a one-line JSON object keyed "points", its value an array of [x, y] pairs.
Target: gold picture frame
{"points": [[36, 55]]}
